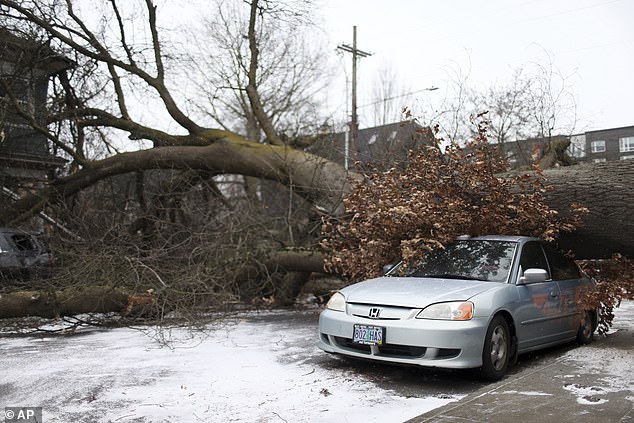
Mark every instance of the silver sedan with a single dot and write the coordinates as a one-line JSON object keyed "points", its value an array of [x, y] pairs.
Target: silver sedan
{"points": [[478, 303]]}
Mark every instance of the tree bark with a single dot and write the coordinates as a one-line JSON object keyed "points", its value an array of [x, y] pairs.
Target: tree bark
{"points": [[607, 190], [295, 265], [252, 86], [68, 302]]}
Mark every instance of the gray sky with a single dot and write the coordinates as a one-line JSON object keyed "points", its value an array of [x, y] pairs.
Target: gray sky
{"points": [[591, 42]]}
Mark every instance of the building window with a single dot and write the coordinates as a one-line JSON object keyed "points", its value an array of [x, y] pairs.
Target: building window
{"points": [[600, 160], [626, 144], [597, 146]]}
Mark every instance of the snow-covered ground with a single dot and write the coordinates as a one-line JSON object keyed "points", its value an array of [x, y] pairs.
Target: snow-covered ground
{"points": [[615, 364], [242, 371]]}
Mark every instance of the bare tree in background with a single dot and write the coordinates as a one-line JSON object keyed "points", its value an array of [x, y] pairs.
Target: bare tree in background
{"points": [[509, 109], [453, 114], [291, 71], [537, 103], [389, 96], [553, 106]]}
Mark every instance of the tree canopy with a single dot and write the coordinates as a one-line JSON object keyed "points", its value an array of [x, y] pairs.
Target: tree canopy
{"points": [[401, 214]]}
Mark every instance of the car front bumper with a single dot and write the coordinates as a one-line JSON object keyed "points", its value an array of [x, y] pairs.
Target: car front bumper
{"points": [[432, 343]]}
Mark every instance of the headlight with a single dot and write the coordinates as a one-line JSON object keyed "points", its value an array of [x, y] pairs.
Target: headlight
{"points": [[448, 311], [337, 302]]}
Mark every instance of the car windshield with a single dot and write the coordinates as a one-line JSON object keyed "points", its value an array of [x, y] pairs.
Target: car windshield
{"points": [[484, 260]]}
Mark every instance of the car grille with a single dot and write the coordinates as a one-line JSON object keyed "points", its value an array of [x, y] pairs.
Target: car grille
{"points": [[385, 312], [397, 351], [388, 350]]}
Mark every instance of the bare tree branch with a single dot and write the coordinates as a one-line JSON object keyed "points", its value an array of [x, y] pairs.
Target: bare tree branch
{"points": [[252, 90]]}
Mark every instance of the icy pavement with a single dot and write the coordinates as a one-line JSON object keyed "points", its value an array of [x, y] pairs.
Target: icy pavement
{"points": [[588, 384], [245, 370], [266, 368]]}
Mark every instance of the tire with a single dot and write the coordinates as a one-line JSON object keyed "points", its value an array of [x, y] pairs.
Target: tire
{"points": [[497, 350], [586, 328]]}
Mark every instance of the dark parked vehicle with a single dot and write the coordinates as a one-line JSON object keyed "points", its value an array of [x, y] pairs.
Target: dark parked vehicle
{"points": [[24, 255]]}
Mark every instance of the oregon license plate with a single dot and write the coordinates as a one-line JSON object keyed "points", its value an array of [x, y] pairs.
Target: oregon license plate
{"points": [[368, 335]]}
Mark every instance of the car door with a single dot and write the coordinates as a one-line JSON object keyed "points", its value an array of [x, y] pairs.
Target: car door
{"points": [[538, 315], [571, 286]]}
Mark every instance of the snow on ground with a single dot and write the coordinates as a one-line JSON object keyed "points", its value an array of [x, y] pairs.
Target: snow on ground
{"points": [[240, 370], [613, 364], [243, 371]]}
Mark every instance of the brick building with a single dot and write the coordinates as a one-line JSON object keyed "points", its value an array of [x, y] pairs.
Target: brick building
{"points": [[589, 147]]}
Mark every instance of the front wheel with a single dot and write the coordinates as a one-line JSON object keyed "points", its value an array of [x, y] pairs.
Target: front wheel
{"points": [[586, 329], [497, 349]]}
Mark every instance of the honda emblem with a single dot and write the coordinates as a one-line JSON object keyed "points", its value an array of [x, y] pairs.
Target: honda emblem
{"points": [[374, 313]]}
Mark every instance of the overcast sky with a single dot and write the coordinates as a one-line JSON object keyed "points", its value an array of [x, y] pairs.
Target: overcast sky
{"points": [[591, 42]]}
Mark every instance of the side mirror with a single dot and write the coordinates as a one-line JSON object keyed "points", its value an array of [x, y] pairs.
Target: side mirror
{"points": [[533, 275]]}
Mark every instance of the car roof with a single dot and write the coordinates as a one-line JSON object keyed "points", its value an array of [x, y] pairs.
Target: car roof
{"points": [[508, 238]]}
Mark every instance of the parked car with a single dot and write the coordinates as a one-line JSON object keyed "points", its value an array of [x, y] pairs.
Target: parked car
{"points": [[24, 255], [477, 303]]}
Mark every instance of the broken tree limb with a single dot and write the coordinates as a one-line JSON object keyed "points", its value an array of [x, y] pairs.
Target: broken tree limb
{"points": [[68, 302]]}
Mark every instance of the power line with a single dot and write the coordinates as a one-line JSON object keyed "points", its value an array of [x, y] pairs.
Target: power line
{"points": [[432, 88]]}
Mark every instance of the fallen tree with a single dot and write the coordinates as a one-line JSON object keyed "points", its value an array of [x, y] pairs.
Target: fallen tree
{"points": [[124, 67], [606, 189], [603, 188]]}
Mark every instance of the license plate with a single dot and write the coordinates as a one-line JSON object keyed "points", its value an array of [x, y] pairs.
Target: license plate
{"points": [[368, 335]]}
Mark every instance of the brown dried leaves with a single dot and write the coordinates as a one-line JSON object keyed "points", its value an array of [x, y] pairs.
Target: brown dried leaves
{"points": [[402, 214]]}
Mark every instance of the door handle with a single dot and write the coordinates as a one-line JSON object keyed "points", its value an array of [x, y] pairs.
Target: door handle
{"points": [[553, 294]]}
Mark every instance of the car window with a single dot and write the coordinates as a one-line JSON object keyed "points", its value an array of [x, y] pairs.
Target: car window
{"points": [[23, 242], [533, 257], [562, 267], [469, 259]]}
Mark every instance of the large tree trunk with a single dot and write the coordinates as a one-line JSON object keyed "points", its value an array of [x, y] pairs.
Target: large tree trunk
{"points": [[319, 180], [607, 190]]}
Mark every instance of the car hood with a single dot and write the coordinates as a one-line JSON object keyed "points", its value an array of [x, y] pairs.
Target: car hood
{"points": [[415, 292]]}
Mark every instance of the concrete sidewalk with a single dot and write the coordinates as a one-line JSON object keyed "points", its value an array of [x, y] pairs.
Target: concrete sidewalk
{"points": [[593, 383]]}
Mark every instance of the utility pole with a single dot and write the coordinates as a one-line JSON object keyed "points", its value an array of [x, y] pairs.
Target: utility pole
{"points": [[354, 122]]}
